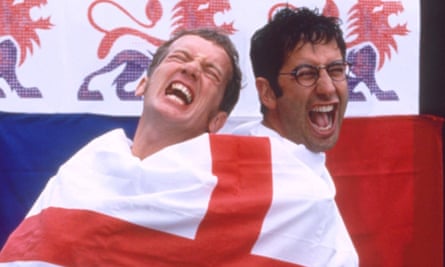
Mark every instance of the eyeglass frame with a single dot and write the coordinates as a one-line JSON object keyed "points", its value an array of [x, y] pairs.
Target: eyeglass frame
{"points": [[294, 72]]}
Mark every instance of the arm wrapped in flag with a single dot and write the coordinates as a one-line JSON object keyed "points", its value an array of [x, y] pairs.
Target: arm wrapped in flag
{"points": [[215, 200]]}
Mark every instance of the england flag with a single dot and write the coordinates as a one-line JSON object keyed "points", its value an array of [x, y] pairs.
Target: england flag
{"points": [[215, 200]]}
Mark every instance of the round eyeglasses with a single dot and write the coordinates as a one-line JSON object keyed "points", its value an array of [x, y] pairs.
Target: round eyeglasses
{"points": [[307, 75]]}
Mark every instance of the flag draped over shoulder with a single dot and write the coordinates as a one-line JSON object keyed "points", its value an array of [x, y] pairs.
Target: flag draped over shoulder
{"points": [[389, 177], [208, 207]]}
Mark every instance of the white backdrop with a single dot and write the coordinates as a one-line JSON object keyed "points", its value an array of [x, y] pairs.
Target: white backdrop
{"points": [[59, 58]]}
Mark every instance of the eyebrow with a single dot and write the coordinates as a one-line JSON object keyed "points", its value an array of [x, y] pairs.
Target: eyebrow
{"points": [[334, 62], [208, 64], [180, 51]]}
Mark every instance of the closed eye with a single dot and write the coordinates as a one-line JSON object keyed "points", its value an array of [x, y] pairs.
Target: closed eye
{"points": [[213, 73], [178, 56], [306, 73], [336, 70], [211, 70]]}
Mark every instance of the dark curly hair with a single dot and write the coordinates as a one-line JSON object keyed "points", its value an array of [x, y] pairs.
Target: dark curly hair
{"points": [[271, 44]]}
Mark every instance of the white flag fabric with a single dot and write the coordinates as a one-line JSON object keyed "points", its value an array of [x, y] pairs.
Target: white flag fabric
{"points": [[224, 204]]}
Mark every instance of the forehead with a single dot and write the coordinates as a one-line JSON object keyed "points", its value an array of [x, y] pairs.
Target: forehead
{"points": [[320, 53], [209, 53], [197, 45]]}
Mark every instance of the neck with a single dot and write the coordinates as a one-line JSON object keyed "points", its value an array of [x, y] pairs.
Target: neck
{"points": [[150, 137], [272, 123], [149, 140]]}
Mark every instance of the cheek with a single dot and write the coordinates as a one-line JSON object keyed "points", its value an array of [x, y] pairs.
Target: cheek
{"points": [[294, 101], [296, 98], [343, 92], [212, 98], [215, 93], [292, 108]]}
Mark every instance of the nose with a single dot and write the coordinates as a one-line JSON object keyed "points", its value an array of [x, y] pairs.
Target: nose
{"points": [[325, 85], [192, 68]]}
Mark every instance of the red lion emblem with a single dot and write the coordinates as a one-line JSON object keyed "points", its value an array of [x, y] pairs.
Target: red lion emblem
{"points": [[186, 15], [17, 24], [372, 39], [369, 26], [369, 23]]}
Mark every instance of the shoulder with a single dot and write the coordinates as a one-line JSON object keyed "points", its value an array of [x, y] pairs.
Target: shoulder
{"points": [[110, 139], [111, 142], [251, 128]]}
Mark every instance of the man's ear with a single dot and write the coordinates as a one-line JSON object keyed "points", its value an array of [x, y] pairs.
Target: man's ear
{"points": [[142, 86], [265, 93], [218, 121]]}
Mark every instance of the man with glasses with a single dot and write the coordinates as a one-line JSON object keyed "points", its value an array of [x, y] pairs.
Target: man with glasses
{"points": [[298, 60]]}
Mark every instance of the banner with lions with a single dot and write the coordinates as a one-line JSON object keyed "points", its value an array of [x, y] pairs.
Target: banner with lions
{"points": [[60, 56]]}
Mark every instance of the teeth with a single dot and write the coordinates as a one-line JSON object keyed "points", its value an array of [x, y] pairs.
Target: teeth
{"points": [[184, 90], [321, 117], [176, 99], [181, 91], [328, 108]]}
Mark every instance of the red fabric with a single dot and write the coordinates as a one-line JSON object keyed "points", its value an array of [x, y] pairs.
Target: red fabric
{"points": [[225, 237], [389, 177], [69, 240]]}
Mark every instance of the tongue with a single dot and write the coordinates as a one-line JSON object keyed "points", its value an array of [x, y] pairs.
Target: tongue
{"points": [[181, 96], [178, 94], [321, 119]]}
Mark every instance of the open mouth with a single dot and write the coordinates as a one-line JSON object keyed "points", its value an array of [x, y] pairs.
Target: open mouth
{"points": [[322, 117], [179, 93]]}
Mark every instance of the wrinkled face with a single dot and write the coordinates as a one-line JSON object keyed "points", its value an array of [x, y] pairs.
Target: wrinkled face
{"points": [[187, 87], [312, 115]]}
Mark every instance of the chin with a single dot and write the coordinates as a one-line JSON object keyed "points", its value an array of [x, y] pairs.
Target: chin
{"points": [[323, 145]]}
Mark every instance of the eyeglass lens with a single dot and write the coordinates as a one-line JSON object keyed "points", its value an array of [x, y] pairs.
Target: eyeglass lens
{"points": [[308, 75]]}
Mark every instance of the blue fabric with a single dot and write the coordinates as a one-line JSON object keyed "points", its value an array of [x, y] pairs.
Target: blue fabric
{"points": [[33, 146]]}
